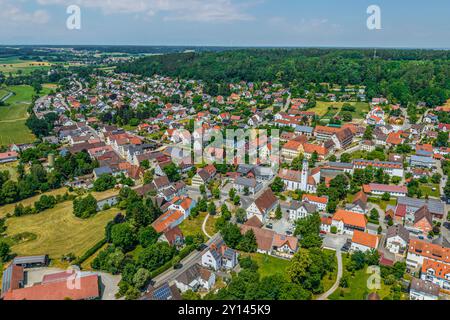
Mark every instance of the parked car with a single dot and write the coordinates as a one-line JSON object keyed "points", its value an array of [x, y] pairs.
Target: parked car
{"points": [[178, 266], [269, 226]]}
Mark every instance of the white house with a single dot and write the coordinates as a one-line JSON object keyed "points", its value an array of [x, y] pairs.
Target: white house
{"points": [[219, 256], [263, 206], [195, 278], [300, 210], [397, 239], [363, 241]]}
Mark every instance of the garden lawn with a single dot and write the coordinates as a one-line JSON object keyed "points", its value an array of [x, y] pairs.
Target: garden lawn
{"points": [[192, 226], [268, 265], [58, 231], [427, 190], [358, 286]]}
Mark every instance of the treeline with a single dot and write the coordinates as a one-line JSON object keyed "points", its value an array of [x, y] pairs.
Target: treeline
{"points": [[400, 75]]}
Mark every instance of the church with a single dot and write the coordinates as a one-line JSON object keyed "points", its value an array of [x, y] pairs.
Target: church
{"points": [[300, 180]]}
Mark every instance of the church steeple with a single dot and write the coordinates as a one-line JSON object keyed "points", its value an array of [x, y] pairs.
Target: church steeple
{"points": [[305, 173]]}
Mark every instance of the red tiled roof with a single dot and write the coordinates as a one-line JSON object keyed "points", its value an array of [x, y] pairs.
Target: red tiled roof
{"points": [[365, 239], [59, 290]]}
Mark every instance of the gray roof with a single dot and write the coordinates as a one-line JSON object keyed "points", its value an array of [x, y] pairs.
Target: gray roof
{"points": [[30, 260], [102, 170], [398, 230], [304, 129], [435, 206], [422, 159], [427, 287], [264, 171], [341, 165], [246, 182]]}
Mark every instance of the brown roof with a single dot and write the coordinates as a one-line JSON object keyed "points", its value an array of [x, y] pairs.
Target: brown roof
{"points": [[423, 213], [266, 201], [254, 222], [264, 237]]}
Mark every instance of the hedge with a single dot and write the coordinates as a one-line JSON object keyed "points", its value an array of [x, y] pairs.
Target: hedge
{"points": [[91, 251]]}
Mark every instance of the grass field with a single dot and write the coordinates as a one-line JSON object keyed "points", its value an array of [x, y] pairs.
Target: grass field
{"points": [[358, 289], [321, 109], [58, 231], [9, 208], [14, 66]]}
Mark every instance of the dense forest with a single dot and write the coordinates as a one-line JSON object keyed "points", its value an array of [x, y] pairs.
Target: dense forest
{"points": [[403, 76]]}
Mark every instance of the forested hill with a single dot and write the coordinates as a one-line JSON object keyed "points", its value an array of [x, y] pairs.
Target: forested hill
{"points": [[402, 75]]}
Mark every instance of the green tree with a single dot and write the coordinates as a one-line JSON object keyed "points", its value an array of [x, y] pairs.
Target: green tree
{"points": [[5, 252], [277, 185], [123, 236]]}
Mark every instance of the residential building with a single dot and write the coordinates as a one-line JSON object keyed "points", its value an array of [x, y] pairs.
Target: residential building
{"points": [[437, 273], [204, 176], [423, 290], [263, 206], [299, 210], [320, 202], [219, 256], [195, 278], [242, 184], [397, 239], [418, 250], [346, 222], [362, 241]]}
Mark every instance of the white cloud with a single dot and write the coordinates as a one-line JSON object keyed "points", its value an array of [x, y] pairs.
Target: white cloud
{"points": [[187, 10], [303, 26], [11, 12]]}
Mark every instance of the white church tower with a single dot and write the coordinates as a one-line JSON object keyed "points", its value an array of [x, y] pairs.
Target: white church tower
{"points": [[305, 173]]}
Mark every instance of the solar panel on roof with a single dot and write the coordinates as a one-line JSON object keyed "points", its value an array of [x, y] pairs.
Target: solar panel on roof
{"points": [[163, 292]]}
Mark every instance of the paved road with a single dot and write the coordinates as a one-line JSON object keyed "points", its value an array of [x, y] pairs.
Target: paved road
{"points": [[187, 262], [338, 280]]}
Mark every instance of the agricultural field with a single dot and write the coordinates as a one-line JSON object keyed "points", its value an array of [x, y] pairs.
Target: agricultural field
{"points": [[322, 109], [14, 115], [15, 66], [57, 231]]}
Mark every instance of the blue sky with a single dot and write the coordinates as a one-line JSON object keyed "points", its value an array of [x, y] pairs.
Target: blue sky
{"points": [[342, 23]]}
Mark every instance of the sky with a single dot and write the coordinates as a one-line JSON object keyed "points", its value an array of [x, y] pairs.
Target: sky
{"points": [[296, 23]]}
